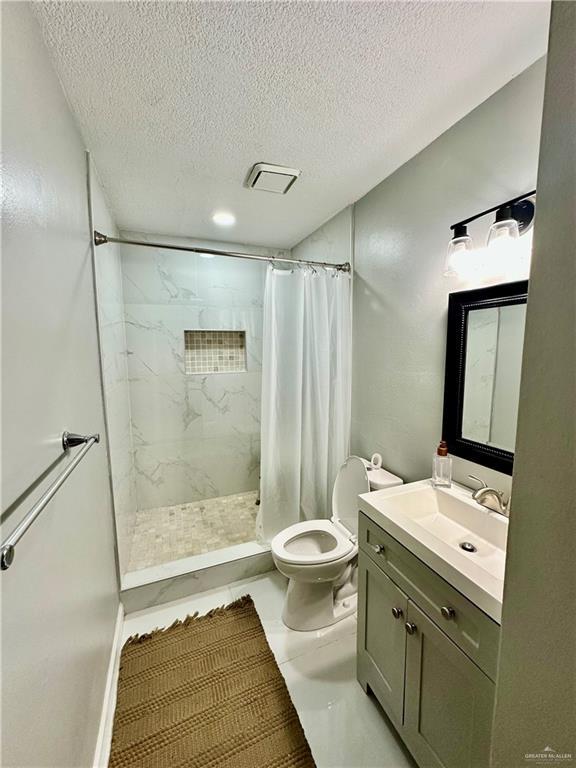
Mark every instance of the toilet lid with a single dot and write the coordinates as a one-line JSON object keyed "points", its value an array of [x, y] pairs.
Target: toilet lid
{"points": [[352, 479]]}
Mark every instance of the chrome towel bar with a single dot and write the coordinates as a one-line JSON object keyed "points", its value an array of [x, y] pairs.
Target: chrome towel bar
{"points": [[69, 440]]}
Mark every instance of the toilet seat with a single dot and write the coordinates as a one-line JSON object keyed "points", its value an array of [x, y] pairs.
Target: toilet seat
{"points": [[287, 547], [314, 542]]}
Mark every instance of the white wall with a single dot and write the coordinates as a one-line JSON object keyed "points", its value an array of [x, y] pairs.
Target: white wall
{"points": [[59, 598], [332, 242], [399, 232], [535, 692], [400, 295]]}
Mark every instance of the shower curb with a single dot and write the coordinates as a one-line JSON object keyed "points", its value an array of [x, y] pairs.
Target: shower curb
{"points": [[186, 584]]}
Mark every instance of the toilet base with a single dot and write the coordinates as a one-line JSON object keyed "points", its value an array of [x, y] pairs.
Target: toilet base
{"points": [[309, 606]]}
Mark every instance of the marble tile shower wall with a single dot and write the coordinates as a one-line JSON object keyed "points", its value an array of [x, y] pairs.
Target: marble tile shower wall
{"points": [[195, 436], [115, 377]]}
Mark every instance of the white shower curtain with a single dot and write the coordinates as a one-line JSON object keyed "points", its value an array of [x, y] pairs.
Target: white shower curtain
{"points": [[306, 383]]}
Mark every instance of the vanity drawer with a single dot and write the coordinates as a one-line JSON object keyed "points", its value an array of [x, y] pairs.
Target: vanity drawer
{"points": [[469, 627]]}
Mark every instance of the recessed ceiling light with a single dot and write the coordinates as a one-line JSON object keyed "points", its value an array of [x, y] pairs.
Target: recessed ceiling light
{"points": [[224, 219]]}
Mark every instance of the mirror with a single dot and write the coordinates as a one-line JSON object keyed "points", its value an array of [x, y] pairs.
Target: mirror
{"points": [[494, 342], [483, 367]]}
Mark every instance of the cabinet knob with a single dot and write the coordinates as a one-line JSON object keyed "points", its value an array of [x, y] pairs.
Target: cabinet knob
{"points": [[397, 613], [448, 612], [411, 628], [378, 548]]}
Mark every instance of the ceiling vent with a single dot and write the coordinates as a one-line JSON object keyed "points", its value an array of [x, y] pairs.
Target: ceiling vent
{"points": [[272, 178]]}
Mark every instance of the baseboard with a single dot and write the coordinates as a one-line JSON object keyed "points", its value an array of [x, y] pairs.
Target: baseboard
{"points": [[102, 751]]}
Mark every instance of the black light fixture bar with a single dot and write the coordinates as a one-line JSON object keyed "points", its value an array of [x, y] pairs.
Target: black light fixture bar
{"points": [[517, 199]]}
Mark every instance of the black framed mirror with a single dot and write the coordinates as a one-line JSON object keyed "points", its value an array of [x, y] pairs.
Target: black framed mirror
{"points": [[484, 345]]}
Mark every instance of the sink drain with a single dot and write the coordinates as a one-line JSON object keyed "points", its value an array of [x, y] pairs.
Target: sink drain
{"points": [[468, 547]]}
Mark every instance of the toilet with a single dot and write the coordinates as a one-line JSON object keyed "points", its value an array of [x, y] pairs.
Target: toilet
{"points": [[319, 556]]}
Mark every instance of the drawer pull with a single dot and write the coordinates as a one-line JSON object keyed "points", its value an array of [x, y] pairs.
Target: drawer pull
{"points": [[378, 548], [411, 628], [397, 613], [448, 612]]}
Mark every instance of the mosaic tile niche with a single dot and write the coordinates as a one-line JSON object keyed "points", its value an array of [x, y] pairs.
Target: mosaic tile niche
{"points": [[214, 351]]}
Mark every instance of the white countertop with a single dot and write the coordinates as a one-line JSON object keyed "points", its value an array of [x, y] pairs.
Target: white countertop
{"points": [[431, 523]]}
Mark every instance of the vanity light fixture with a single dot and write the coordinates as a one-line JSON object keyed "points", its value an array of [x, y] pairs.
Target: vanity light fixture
{"points": [[513, 218]]}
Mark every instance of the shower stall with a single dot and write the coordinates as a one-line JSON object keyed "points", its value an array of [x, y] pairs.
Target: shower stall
{"points": [[181, 339], [194, 351]]}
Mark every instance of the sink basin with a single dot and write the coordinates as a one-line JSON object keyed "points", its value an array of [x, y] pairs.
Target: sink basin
{"points": [[455, 518], [459, 539]]}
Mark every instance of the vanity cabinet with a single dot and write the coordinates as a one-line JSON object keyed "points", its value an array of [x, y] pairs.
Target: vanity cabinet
{"points": [[427, 653], [385, 608], [449, 700]]}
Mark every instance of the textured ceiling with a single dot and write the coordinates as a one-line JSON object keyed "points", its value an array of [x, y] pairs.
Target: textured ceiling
{"points": [[177, 100]]}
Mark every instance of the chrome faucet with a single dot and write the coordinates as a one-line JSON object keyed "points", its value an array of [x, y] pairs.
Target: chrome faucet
{"points": [[490, 498]]}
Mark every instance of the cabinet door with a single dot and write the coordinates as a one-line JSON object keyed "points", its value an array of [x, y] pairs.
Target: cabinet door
{"points": [[449, 700], [381, 636]]}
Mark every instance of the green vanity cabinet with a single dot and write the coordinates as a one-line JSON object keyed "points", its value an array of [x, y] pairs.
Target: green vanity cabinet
{"points": [[448, 700], [432, 671], [381, 617]]}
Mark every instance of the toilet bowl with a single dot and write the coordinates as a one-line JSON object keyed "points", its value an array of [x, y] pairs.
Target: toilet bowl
{"points": [[319, 556]]}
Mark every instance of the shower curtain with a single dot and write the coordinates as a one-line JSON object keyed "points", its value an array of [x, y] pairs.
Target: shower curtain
{"points": [[306, 393]]}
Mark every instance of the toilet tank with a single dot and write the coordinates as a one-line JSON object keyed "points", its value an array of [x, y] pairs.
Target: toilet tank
{"points": [[381, 478]]}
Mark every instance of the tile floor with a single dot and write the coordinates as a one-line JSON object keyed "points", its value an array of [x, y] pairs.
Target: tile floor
{"points": [[170, 533], [345, 728]]}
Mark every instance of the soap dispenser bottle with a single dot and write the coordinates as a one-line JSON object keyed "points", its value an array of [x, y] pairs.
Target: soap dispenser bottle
{"points": [[442, 467]]}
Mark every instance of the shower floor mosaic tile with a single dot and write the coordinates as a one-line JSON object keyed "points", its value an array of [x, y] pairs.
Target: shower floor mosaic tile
{"points": [[170, 533]]}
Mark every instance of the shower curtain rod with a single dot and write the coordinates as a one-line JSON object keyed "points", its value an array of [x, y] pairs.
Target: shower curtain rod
{"points": [[100, 239]]}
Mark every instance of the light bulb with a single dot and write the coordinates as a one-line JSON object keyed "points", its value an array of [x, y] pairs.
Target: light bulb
{"points": [[504, 228], [459, 249]]}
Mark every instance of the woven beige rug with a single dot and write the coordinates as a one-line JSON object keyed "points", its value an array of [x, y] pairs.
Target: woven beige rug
{"points": [[206, 693]]}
